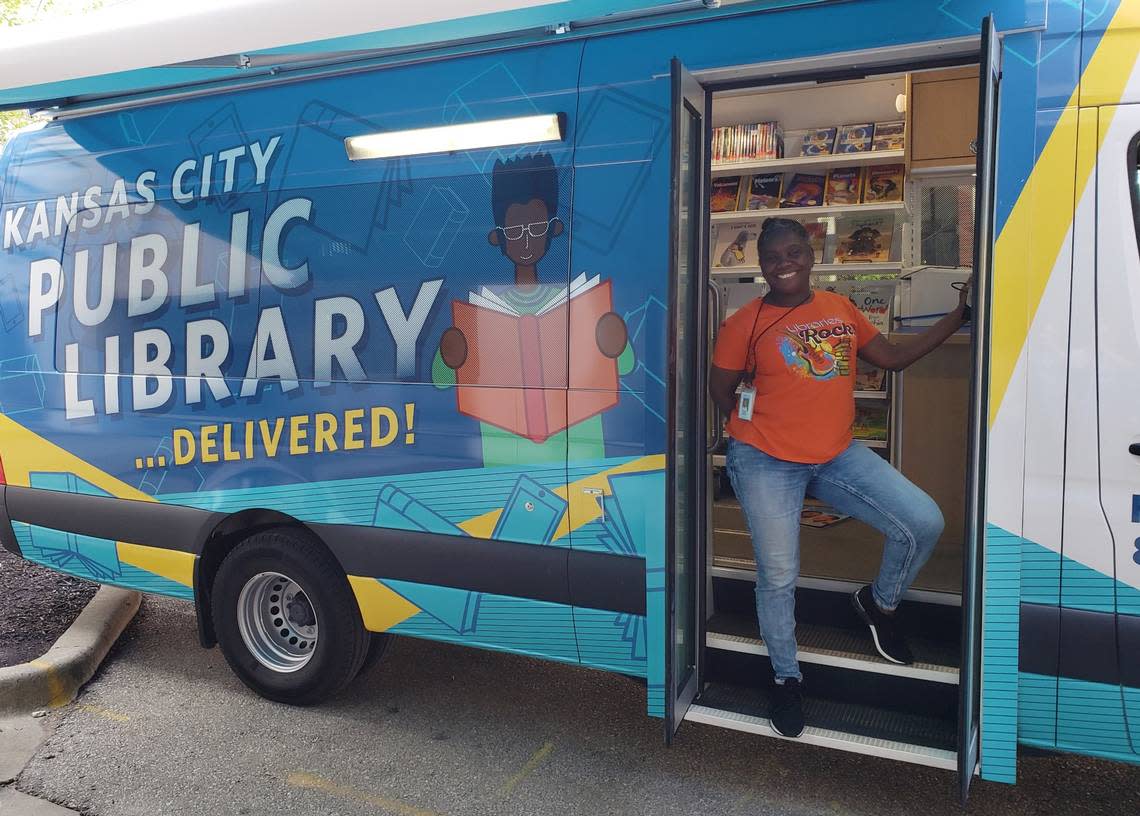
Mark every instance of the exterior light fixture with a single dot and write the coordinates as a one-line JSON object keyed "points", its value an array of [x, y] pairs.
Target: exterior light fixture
{"points": [[519, 130]]}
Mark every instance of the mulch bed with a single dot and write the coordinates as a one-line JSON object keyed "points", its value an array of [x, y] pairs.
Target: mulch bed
{"points": [[36, 607]]}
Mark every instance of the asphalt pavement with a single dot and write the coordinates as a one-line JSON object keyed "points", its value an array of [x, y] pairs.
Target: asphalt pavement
{"points": [[165, 729]]}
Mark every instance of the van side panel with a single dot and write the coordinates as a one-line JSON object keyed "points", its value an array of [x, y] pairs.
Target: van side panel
{"points": [[269, 336]]}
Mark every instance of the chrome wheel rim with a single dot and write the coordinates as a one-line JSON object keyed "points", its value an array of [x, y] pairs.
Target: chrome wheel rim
{"points": [[277, 622]]}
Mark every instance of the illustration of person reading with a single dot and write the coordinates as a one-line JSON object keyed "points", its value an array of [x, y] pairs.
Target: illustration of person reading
{"points": [[507, 348]]}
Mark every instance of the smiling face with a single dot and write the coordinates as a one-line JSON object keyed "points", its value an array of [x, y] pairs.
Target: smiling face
{"points": [[786, 260]]}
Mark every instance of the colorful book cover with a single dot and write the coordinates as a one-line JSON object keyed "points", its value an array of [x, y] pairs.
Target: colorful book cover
{"points": [[763, 191], [844, 185], [819, 142], [872, 298], [870, 420], [736, 244], [884, 183], [855, 138], [821, 515], [869, 377], [527, 353], [864, 238], [805, 190], [725, 193], [817, 237], [888, 136]]}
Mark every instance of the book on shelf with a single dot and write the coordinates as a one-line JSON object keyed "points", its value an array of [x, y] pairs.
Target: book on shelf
{"points": [[817, 514], [527, 353], [805, 190], [819, 142], [762, 140], [855, 138], [869, 377], [864, 238], [870, 421], [762, 192], [872, 298], [888, 135], [817, 237], [844, 185], [725, 194], [884, 183], [734, 244]]}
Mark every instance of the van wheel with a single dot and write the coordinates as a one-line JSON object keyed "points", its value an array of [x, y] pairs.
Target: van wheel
{"points": [[378, 643], [286, 619]]}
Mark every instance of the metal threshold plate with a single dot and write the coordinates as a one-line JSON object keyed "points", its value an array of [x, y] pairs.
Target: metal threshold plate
{"points": [[841, 726]]}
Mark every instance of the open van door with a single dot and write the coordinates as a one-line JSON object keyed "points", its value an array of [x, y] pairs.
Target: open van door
{"points": [[969, 706], [687, 385]]}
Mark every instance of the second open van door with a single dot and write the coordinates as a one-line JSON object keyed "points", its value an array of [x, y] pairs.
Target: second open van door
{"points": [[687, 386], [970, 675]]}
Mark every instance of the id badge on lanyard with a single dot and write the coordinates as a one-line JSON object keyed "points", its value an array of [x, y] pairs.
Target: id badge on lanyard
{"points": [[747, 400]]}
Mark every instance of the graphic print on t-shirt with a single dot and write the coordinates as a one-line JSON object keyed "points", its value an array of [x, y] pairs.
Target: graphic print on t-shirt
{"points": [[819, 350]]}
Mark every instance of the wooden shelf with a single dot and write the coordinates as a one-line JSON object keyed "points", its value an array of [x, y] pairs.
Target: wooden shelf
{"points": [[865, 158], [818, 269], [804, 212], [881, 395]]}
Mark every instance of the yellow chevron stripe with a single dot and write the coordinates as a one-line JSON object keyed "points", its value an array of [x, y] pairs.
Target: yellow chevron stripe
{"points": [[1027, 249], [584, 507], [25, 452], [173, 565], [380, 607]]}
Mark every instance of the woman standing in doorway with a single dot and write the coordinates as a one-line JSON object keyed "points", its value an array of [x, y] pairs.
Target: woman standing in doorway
{"points": [[795, 350]]}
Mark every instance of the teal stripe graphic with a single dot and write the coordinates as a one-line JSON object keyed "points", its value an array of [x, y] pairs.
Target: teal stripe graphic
{"points": [[125, 575], [1001, 605], [1037, 709]]}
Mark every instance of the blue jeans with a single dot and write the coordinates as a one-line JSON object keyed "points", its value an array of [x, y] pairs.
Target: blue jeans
{"points": [[857, 482]]}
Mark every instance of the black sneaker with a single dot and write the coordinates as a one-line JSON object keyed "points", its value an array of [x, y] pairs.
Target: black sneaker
{"points": [[888, 640], [787, 708]]}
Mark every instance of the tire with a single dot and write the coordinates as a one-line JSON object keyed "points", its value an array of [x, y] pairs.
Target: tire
{"points": [[286, 618], [378, 643]]}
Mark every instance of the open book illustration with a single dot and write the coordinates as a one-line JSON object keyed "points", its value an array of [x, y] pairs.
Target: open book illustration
{"points": [[520, 364]]}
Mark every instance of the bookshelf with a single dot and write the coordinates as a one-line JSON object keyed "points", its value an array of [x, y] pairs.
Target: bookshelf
{"points": [[806, 212], [808, 163], [886, 267]]}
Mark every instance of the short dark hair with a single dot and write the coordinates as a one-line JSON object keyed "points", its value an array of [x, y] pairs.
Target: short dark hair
{"points": [[517, 181], [773, 228]]}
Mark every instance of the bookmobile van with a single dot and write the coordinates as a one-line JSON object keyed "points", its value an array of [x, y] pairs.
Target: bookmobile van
{"points": [[404, 329]]}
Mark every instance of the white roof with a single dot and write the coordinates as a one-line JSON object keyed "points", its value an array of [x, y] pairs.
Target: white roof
{"points": [[140, 44]]}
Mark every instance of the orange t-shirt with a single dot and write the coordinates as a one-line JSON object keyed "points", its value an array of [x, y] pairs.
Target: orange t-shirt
{"points": [[804, 360]]}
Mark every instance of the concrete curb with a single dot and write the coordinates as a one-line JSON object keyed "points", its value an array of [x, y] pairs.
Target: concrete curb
{"points": [[54, 679]]}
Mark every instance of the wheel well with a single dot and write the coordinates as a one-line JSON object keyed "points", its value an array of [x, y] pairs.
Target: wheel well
{"points": [[221, 540]]}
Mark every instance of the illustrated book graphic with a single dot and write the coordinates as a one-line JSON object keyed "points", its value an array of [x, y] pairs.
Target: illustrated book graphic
{"points": [[888, 136], [844, 185], [819, 142], [864, 238], [870, 421], [805, 190], [884, 183], [817, 514], [527, 353], [725, 193], [735, 244], [763, 191], [855, 138]]}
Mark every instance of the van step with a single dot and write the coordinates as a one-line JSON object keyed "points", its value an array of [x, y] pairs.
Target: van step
{"points": [[834, 646], [843, 726]]}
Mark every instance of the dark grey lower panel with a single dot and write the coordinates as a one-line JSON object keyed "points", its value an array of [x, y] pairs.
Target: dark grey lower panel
{"points": [[1098, 647], [556, 574], [7, 535]]}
